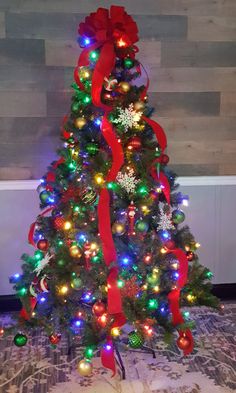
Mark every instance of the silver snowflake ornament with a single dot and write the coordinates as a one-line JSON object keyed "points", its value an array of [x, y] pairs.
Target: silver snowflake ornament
{"points": [[42, 264], [128, 117], [127, 180], [165, 221]]}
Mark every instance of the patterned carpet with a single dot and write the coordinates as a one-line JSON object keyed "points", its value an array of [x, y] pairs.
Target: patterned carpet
{"points": [[37, 368]]}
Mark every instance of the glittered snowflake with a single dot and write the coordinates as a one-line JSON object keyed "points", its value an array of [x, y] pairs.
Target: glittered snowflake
{"points": [[165, 221], [42, 264], [127, 180], [128, 117]]}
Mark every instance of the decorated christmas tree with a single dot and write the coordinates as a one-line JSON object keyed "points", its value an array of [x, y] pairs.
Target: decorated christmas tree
{"points": [[111, 264]]}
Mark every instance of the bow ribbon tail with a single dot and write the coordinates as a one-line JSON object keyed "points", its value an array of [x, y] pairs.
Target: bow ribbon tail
{"points": [[174, 297], [108, 356], [33, 225], [27, 314], [159, 132]]}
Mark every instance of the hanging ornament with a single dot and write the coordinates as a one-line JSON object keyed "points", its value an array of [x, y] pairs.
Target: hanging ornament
{"points": [[131, 217], [43, 286], [75, 251], [139, 106], [87, 255], [190, 256], [135, 340], [107, 97], [141, 226], [43, 244], [134, 143], [80, 122], [88, 196], [124, 87], [118, 228], [55, 338], [59, 223], [183, 342], [44, 196], [85, 368], [127, 180], [165, 159], [128, 63], [42, 263], [178, 216], [76, 283], [165, 220], [110, 83], [2, 331], [102, 320], [20, 339], [92, 148], [98, 308], [128, 117], [170, 244]]}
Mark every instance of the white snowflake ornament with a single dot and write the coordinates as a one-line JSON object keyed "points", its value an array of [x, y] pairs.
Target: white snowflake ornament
{"points": [[41, 264], [127, 180], [165, 221], [128, 117]]}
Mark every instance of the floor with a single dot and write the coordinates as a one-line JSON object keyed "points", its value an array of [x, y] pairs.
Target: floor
{"points": [[37, 368]]}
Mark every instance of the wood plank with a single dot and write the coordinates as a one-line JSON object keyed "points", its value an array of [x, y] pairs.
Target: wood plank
{"points": [[195, 170], [169, 7], [198, 128], [65, 25], [20, 51], [62, 53], [189, 79], [202, 152], [22, 104], [228, 104], [58, 104], [185, 104], [211, 28], [2, 25], [227, 168], [15, 173], [31, 78], [198, 54]]}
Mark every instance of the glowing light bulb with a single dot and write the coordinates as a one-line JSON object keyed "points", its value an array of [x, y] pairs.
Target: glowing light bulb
{"points": [[197, 245], [115, 332], [63, 290], [67, 225], [191, 298], [156, 288], [163, 250], [121, 43]]}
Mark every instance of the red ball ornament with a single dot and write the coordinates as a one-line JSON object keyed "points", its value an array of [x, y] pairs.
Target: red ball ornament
{"points": [[43, 244], [190, 256], [134, 143], [107, 97], [55, 338], [59, 222], [98, 308], [170, 244], [165, 159], [183, 342]]}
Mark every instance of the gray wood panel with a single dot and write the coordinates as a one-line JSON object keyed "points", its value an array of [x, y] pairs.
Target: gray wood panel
{"points": [[198, 54], [22, 104], [211, 28], [19, 51], [2, 25]]}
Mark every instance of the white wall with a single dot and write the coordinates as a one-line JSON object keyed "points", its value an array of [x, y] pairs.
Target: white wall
{"points": [[211, 215]]}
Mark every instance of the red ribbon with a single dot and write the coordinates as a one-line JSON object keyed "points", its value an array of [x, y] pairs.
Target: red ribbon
{"points": [[24, 314], [33, 225], [174, 297]]}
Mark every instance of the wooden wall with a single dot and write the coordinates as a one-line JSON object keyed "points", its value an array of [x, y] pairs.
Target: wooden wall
{"points": [[187, 46]]}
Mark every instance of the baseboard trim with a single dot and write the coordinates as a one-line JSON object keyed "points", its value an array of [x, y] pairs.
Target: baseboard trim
{"points": [[222, 291]]}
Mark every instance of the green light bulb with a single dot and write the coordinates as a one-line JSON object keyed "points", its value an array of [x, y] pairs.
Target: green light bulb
{"points": [[22, 291], [152, 304], [38, 255], [93, 55], [120, 283], [86, 99], [88, 353], [60, 243]]}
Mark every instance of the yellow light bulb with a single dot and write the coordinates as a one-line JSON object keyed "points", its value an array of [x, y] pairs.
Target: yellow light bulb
{"points": [[197, 245], [115, 332], [144, 287], [190, 298], [175, 265], [67, 225], [155, 270], [163, 250], [63, 290], [187, 248], [99, 178], [156, 288]]}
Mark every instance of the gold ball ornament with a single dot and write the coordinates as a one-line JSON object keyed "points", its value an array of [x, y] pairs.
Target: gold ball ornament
{"points": [[80, 122], [75, 251], [124, 87], [118, 228], [139, 106], [85, 368]]}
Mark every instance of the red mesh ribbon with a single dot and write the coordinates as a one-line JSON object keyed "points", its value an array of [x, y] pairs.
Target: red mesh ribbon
{"points": [[25, 314], [174, 296], [108, 246]]}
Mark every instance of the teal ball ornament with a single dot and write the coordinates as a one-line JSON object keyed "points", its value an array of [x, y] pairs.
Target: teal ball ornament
{"points": [[141, 226], [178, 216], [44, 195]]}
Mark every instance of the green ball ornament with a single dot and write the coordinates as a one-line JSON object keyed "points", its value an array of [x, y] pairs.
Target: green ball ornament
{"points": [[141, 226], [135, 340], [44, 195], [76, 283], [75, 107], [92, 148], [20, 339], [178, 216], [128, 63], [61, 262]]}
